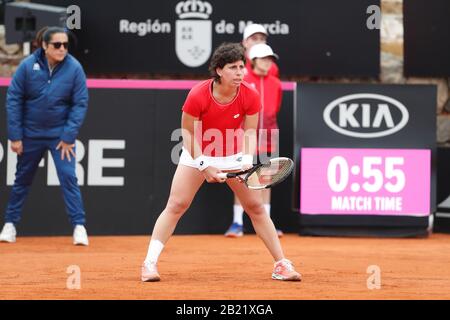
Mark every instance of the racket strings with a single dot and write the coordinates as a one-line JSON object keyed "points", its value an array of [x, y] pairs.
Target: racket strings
{"points": [[271, 173]]}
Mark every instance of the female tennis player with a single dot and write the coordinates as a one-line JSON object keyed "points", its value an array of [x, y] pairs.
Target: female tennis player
{"points": [[220, 106]]}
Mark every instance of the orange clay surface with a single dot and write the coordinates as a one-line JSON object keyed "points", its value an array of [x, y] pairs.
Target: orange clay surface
{"points": [[214, 267]]}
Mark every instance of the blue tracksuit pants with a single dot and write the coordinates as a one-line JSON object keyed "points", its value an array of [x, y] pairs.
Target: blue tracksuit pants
{"points": [[27, 164]]}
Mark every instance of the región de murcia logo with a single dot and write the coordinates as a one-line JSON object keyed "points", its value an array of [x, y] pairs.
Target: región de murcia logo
{"points": [[193, 39]]}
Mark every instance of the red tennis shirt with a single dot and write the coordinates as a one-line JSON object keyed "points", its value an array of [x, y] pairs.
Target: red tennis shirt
{"points": [[221, 132]]}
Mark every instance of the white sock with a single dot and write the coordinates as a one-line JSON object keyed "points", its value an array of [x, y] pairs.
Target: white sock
{"points": [[154, 250], [238, 214], [267, 207]]}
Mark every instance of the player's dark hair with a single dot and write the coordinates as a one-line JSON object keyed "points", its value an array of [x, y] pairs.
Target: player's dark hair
{"points": [[227, 52], [40, 36], [48, 34]]}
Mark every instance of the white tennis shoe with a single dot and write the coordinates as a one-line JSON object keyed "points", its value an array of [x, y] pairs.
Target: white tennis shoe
{"points": [[284, 270], [149, 272], [8, 233], [80, 236]]}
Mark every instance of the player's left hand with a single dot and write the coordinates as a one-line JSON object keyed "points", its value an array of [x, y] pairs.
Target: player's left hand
{"points": [[211, 175], [66, 150]]}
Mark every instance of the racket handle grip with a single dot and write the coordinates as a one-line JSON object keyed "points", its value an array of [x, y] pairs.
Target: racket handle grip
{"points": [[222, 175]]}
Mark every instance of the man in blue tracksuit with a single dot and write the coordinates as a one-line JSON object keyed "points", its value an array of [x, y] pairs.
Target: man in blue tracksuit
{"points": [[46, 106]]}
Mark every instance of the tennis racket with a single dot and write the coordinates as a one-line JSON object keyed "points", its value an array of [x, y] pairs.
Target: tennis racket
{"points": [[264, 175]]}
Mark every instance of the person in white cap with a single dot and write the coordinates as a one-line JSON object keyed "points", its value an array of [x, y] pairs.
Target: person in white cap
{"points": [[254, 34], [261, 58]]}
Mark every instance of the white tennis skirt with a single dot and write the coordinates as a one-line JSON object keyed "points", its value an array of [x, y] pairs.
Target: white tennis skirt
{"points": [[221, 163]]}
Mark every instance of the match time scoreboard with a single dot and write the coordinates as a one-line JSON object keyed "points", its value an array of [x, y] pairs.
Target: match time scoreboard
{"points": [[365, 156], [365, 181]]}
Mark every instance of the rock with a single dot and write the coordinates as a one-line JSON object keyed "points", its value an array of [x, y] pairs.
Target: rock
{"points": [[443, 128], [392, 6], [391, 28], [391, 68]]}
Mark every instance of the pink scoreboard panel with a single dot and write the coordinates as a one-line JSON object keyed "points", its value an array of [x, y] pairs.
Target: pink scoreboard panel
{"points": [[385, 182]]}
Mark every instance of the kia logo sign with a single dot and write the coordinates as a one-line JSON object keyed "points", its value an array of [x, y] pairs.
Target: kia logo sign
{"points": [[366, 115]]}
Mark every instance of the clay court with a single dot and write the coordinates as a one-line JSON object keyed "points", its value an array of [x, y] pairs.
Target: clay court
{"points": [[213, 267]]}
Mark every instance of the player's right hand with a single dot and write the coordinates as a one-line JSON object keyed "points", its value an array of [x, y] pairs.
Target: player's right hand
{"points": [[17, 147], [211, 175]]}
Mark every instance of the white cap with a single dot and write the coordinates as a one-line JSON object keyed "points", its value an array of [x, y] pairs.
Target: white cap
{"points": [[261, 50], [254, 28]]}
